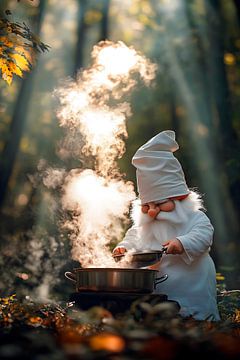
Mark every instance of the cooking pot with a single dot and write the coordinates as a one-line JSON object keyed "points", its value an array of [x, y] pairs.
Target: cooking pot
{"points": [[142, 258], [115, 279]]}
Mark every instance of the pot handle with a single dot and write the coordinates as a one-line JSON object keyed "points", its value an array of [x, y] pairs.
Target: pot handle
{"points": [[159, 280], [70, 276]]}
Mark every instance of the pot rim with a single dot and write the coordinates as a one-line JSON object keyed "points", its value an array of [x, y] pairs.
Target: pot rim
{"points": [[148, 251], [113, 269]]}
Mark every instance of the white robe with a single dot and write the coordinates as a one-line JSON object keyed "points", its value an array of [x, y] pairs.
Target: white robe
{"points": [[192, 275]]}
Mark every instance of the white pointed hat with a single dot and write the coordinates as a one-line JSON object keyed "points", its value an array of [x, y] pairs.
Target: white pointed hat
{"points": [[159, 174]]}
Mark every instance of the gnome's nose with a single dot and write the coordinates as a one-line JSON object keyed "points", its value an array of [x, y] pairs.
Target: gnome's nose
{"points": [[153, 210]]}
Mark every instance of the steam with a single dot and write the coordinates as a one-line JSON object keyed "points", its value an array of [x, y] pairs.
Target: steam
{"points": [[94, 117], [100, 206]]}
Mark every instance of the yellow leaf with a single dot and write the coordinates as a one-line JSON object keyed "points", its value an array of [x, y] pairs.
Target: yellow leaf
{"points": [[7, 74], [2, 62], [5, 69], [220, 277], [15, 69], [229, 59], [22, 51], [21, 62]]}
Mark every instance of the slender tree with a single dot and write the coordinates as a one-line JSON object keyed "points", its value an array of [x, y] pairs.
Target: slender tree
{"points": [[237, 4], [217, 71], [11, 147], [83, 6], [226, 138], [104, 28], [173, 112], [209, 31], [81, 35]]}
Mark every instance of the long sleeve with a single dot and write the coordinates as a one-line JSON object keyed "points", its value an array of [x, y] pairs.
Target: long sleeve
{"points": [[199, 239], [130, 239]]}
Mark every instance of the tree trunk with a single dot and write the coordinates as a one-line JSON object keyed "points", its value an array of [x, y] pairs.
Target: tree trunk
{"points": [[173, 113], [226, 136], [104, 30], [210, 32], [81, 36], [216, 69], [82, 29], [11, 148], [237, 5]]}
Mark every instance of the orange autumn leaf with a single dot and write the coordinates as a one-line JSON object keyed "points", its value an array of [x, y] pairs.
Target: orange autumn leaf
{"points": [[15, 69], [7, 74], [108, 342], [13, 64], [5, 41], [237, 315], [35, 320]]}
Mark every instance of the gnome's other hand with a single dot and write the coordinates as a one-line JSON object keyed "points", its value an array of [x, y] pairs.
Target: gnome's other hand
{"points": [[174, 247]]}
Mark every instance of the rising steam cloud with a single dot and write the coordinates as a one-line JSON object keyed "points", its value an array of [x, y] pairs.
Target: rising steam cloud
{"points": [[98, 198]]}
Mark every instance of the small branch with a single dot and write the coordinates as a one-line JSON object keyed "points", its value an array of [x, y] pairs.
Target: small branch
{"points": [[228, 292]]}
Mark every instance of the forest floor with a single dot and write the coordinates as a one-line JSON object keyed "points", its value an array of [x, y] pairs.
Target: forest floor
{"points": [[146, 331]]}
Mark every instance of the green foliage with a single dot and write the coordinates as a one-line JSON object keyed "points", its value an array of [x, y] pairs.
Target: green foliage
{"points": [[229, 305]]}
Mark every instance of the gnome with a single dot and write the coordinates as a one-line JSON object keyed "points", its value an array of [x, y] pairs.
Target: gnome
{"points": [[168, 214], [159, 174]]}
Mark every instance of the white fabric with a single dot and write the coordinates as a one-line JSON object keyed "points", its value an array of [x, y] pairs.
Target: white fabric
{"points": [[192, 275], [159, 173]]}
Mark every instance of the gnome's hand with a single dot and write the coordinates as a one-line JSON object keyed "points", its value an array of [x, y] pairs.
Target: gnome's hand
{"points": [[119, 250], [174, 247]]}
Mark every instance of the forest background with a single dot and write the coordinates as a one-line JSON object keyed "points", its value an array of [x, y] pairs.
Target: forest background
{"points": [[196, 46]]}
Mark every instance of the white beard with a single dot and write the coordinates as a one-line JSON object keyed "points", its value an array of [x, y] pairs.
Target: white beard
{"points": [[163, 227]]}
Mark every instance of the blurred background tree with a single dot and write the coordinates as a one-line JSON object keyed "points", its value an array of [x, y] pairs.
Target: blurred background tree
{"points": [[196, 45]]}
